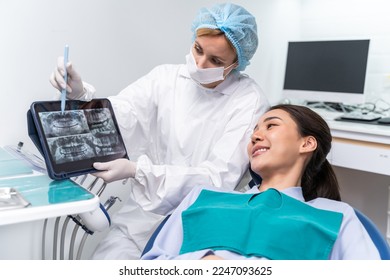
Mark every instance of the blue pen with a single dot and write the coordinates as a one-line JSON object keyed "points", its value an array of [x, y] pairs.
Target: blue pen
{"points": [[63, 92]]}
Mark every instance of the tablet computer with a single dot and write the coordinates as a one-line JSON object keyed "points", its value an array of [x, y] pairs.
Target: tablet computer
{"points": [[71, 141]]}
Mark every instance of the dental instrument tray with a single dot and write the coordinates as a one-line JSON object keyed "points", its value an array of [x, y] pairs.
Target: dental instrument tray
{"points": [[11, 199], [71, 141]]}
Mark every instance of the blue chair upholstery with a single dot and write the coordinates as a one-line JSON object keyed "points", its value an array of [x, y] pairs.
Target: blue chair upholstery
{"points": [[150, 242], [376, 236]]}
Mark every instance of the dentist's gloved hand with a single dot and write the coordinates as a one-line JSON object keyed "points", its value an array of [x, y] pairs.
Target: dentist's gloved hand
{"points": [[75, 87], [118, 169]]}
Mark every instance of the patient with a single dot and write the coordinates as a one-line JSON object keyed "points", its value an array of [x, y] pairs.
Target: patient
{"points": [[295, 213]]}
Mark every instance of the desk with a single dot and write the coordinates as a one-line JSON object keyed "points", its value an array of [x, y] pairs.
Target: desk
{"points": [[21, 233], [360, 146], [47, 198]]}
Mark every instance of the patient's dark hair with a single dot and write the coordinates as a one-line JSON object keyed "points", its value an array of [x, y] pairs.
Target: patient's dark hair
{"points": [[319, 179]]}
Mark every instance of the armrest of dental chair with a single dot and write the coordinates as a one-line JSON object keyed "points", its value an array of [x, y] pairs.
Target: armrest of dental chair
{"points": [[150, 242], [376, 236]]}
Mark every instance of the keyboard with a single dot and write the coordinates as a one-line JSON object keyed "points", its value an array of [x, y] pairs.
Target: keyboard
{"points": [[329, 115], [359, 116]]}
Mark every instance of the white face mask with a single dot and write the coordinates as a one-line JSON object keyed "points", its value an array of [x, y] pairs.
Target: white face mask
{"points": [[207, 75]]}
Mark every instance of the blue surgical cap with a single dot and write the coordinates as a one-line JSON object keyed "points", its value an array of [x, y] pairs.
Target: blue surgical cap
{"points": [[238, 25]]}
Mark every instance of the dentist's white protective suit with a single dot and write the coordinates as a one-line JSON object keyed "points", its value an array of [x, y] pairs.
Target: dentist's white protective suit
{"points": [[181, 136]]}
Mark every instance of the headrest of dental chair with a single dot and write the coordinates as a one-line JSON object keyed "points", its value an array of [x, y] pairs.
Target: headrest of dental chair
{"points": [[256, 179]]}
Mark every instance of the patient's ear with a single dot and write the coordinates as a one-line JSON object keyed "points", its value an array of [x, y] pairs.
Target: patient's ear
{"points": [[309, 144]]}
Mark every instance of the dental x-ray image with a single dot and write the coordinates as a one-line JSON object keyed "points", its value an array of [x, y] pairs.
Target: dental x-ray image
{"points": [[71, 148], [80, 134], [56, 124], [105, 137]]}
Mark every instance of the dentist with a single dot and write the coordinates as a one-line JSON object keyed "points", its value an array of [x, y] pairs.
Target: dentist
{"points": [[184, 125]]}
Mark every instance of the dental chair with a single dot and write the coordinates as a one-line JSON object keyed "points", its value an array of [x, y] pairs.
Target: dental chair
{"points": [[375, 234]]}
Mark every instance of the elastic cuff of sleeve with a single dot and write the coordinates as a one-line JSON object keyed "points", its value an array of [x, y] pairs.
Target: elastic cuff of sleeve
{"points": [[143, 165], [88, 92]]}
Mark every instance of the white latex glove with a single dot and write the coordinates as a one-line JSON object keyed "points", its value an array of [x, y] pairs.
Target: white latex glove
{"points": [[118, 169], [74, 88]]}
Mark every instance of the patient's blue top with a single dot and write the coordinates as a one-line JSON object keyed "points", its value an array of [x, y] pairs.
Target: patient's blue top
{"points": [[268, 224], [352, 242]]}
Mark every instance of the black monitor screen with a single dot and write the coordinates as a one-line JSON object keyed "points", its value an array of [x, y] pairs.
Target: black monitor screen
{"points": [[332, 66]]}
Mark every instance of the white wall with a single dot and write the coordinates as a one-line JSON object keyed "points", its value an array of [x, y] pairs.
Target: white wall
{"points": [[112, 43], [354, 19]]}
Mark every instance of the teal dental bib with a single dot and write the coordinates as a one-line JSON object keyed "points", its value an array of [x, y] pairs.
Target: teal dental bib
{"points": [[268, 224]]}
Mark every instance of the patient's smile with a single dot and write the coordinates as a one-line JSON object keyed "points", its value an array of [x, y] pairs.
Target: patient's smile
{"points": [[259, 151]]}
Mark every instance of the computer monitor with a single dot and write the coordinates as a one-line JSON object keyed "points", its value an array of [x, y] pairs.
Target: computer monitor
{"points": [[327, 71]]}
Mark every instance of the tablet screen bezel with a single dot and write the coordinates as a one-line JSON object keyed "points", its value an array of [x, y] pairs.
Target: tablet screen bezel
{"points": [[60, 169]]}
